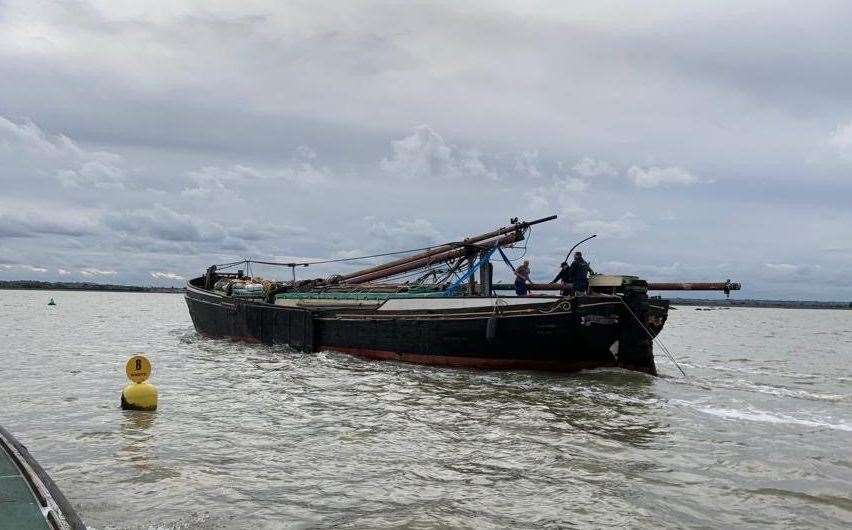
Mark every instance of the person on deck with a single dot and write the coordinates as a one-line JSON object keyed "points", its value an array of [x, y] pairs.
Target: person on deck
{"points": [[577, 274], [522, 278], [579, 271], [563, 278]]}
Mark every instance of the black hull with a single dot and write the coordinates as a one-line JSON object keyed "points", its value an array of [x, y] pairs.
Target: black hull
{"points": [[557, 335]]}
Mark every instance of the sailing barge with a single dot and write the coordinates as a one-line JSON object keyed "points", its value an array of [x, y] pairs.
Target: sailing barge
{"points": [[440, 306]]}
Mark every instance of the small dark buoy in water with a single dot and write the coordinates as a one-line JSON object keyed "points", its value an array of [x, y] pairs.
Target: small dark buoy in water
{"points": [[139, 394], [51, 302]]}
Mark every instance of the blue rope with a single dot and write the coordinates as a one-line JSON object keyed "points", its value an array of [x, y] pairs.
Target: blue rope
{"points": [[509, 263], [484, 258]]}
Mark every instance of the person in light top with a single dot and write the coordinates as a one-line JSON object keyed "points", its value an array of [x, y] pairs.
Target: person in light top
{"points": [[522, 278]]}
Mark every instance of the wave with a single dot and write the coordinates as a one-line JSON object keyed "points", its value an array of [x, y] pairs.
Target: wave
{"points": [[748, 386], [763, 416], [787, 374]]}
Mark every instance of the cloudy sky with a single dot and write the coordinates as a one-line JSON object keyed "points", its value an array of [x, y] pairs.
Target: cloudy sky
{"points": [[141, 141]]}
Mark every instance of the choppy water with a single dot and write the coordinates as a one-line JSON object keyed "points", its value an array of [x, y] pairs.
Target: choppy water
{"points": [[251, 436]]}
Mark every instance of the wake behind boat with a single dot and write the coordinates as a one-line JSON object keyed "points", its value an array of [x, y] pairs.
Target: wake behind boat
{"points": [[439, 306]]}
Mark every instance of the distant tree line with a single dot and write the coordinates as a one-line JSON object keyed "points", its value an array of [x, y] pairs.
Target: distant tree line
{"points": [[746, 302], [84, 286]]}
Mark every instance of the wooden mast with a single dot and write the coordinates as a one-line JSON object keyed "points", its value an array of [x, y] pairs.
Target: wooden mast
{"points": [[440, 253], [429, 260]]}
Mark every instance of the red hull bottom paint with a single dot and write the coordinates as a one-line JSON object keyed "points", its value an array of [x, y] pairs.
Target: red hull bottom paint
{"points": [[470, 362], [483, 363]]}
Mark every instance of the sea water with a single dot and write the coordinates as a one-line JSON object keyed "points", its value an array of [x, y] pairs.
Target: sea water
{"points": [[758, 434]]}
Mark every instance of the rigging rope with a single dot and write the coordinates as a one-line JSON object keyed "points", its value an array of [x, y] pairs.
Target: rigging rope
{"points": [[503, 255], [355, 258], [653, 338], [229, 265], [431, 262], [337, 260]]}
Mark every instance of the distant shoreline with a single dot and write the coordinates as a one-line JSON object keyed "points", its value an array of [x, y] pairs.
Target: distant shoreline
{"points": [[697, 302], [33, 285], [777, 304]]}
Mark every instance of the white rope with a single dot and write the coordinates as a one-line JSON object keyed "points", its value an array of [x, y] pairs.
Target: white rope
{"points": [[655, 339]]}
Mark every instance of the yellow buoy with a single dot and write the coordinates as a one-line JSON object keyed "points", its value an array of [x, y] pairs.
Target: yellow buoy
{"points": [[139, 394]]}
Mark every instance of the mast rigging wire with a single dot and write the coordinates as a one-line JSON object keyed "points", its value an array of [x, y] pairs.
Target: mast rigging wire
{"points": [[338, 260], [356, 258], [653, 338]]}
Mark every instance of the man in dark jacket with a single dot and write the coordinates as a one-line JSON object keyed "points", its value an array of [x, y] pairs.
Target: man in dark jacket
{"points": [[562, 277], [576, 274]]}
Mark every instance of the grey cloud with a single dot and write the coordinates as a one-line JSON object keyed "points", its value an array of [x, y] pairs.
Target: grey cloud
{"points": [[90, 272], [135, 244], [660, 176], [404, 234], [152, 140], [93, 173], [571, 197], [841, 139], [625, 226], [24, 268], [162, 275], [324, 71], [787, 270], [27, 136], [165, 230], [32, 154], [263, 231], [589, 167], [227, 182], [29, 223], [526, 164], [425, 154], [163, 223], [233, 244]]}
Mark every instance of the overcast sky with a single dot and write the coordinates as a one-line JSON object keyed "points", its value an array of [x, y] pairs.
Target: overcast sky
{"points": [[142, 141]]}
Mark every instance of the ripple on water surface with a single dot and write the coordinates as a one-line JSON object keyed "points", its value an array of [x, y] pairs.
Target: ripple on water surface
{"points": [[252, 436]]}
